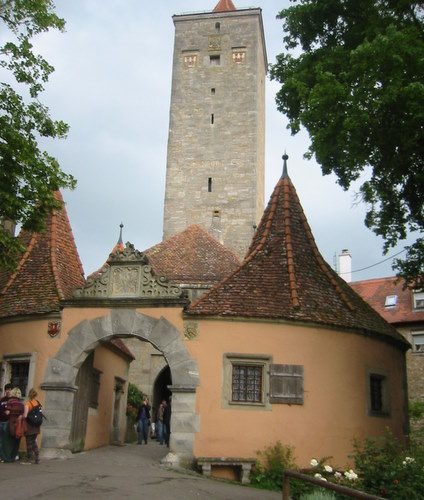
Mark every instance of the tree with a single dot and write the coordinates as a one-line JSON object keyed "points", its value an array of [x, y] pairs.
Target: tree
{"points": [[29, 177], [353, 76]]}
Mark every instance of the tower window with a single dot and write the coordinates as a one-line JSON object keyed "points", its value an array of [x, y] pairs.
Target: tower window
{"points": [[217, 27], [210, 185], [212, 91], [215, 60], [212, 119]]}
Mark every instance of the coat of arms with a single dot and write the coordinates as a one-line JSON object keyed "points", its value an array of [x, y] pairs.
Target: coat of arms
{"points": [[53, 328]]}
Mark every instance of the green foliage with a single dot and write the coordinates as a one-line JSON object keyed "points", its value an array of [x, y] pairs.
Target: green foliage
{"points": [[318, 495], [29, 176], [416, 409], [387, 470], [354, 78], [270, 466], [134, 400]]}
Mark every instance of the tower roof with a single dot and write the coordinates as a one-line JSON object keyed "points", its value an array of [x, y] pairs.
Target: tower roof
{"points": [[192, 256], [224, 6], [48, 270], [283, 276]]}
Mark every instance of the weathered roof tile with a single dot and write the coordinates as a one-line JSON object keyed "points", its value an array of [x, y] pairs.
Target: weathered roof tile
{"points": [[285, 277], [48, 271]]}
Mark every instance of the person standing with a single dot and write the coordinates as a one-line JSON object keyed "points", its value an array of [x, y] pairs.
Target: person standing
{"points": [[143, 421], [167, 421], [160, 423], [4, 417], [15, 407], [31, 432]]}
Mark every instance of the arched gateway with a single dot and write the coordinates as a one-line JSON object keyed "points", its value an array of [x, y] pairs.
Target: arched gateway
{"points": [[121, 322]]}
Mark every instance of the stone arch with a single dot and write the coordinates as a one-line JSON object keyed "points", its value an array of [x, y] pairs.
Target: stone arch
{"points": [[61, 371]]}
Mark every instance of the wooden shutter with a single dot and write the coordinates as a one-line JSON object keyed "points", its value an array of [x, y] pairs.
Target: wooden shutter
{"points": [[286, 384]]}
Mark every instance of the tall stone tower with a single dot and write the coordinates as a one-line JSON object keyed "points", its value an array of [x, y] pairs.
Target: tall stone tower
{"points": [[216, 143]]}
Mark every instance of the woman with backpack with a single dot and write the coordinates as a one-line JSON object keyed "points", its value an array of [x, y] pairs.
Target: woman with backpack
{"points": [[31, 432]]}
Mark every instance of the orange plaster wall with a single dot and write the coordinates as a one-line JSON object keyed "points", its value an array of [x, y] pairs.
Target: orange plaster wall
{"points": [[30, 337], [335, 381], [99, 424]]}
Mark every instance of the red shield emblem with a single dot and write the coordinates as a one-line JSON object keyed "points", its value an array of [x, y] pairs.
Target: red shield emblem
{"points": [[53, 328]]}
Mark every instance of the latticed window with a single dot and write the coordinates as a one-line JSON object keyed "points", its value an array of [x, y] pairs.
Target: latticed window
{"points": [[19, 375], [247, 383]]}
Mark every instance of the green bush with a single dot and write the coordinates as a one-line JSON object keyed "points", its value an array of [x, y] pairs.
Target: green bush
{"points": [[270, 466], [389, 471], [134, 400]]}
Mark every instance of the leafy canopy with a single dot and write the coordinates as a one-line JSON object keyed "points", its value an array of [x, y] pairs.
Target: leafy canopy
{"points": [[29, 177], [353, 76]]}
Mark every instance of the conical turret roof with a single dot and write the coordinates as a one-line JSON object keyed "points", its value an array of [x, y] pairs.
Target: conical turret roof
{"points": [[284, 277], [224, 6], [48, 271]]}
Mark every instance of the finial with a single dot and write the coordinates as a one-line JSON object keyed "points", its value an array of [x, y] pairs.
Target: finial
{"points": [[120, 234], [285, 158]]}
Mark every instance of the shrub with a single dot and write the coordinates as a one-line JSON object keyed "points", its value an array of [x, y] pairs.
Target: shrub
{"points": [[387, 470], [134, 400], [270, 466]]}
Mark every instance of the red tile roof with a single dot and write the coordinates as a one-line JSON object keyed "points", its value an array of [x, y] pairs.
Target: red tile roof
{"points": [[285, 277], [192, 256], [224, 6], [48, 271], [375, 291]]}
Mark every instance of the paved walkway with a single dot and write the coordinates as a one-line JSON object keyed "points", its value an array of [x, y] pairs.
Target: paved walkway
{"points": [[116, 472]]}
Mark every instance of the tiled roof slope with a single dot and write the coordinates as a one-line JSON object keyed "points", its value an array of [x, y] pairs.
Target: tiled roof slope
{"points": [[375, 291], [224, 6], [48, 271], [285, 277], [192, 256]]}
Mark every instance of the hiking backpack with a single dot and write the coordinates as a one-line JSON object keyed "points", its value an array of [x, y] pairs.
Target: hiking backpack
{"points": [[35, 415]]}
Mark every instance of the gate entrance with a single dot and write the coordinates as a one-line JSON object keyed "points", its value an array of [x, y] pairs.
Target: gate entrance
{"points": [[60, 376]]}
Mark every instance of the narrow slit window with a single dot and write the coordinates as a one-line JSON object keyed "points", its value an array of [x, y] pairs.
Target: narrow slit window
{"points": [[212, 119], [217, 27], [210, 185], [212, 91]]}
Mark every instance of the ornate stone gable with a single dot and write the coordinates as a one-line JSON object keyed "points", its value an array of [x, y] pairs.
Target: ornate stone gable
{"points": [[128, 275]]}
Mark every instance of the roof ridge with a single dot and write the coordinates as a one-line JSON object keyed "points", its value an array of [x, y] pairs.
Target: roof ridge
{"points": [[22, 262], [53, 258]]}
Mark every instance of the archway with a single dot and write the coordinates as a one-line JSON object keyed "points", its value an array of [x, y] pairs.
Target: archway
{"points": [[61, 372]]}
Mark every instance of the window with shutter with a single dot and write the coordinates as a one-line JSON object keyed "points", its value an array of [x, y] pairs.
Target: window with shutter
{"points": [[245, 381], [286, 384]]}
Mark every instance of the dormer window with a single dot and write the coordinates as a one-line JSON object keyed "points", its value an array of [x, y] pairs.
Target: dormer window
{"points": [[418, 300], [391, 301]]}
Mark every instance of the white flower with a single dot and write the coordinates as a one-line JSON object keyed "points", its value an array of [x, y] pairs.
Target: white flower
{"points": [[328, 468], [318, 476], [337, 475], [314, 462], [408, 460], [351, 475]]}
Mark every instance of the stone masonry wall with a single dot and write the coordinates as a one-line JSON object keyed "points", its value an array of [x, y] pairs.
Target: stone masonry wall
{"points": [[215, 162]]}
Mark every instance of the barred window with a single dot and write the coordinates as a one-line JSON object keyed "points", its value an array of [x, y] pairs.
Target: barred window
{"points": [[247, 383]]}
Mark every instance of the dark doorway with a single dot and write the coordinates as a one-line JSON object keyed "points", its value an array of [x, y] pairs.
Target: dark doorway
{"points": [[160, 389]]}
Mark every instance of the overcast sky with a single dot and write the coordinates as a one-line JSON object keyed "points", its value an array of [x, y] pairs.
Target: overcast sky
{"points": [[112, 85]]}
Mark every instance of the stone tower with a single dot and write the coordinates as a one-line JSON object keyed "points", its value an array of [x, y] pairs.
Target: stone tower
{"points": [[216, 143]]}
